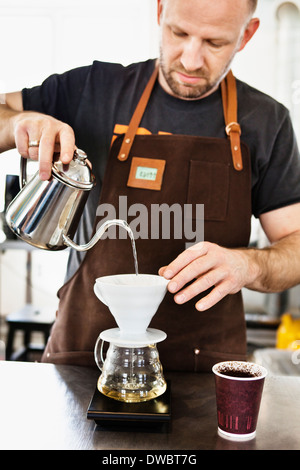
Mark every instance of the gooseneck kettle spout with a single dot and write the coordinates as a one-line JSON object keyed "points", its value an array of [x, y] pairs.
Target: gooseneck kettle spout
{"points": [[97, 235]]}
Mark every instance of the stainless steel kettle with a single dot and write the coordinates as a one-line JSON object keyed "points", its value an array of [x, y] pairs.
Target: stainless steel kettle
{"points": [[46, 213]]}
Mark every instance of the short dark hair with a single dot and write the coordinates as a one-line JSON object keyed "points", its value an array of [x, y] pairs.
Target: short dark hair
{"points": [[253, 5]]}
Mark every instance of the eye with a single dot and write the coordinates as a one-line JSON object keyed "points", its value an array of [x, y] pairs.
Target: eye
{"points": [[178, 33], [215, 45]]}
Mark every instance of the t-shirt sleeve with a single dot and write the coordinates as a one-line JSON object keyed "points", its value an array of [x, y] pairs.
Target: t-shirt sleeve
{"points": [[58, 96], [279, 178]]}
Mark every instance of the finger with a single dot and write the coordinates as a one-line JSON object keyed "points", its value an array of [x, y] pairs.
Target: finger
{"points": [[67, 144], [89, 163], [21, 139], [27, 135], [33, 148], [46, 151], [184, 259], [162, 270], [200, 285], [202, 267], [218, 293]]}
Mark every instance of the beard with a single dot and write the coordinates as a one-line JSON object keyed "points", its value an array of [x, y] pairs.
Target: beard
{"points": [[191, 91]]}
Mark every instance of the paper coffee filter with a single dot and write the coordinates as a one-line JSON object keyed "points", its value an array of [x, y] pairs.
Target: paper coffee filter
{"points": [[133, 280], [132, 299]]}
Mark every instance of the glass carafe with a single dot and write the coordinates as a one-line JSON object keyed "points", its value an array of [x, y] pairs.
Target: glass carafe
{"points": [[130, 374]]}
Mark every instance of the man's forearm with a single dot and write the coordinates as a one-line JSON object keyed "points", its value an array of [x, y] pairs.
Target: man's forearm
{"points": [[7, 140], [277, 267]]}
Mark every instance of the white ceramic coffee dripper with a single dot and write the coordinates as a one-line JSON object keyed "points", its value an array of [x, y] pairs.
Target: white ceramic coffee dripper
{"points": [[131, 371]]}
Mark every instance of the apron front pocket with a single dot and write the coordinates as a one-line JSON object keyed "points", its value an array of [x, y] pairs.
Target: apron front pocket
{"points": [[209, 185]]}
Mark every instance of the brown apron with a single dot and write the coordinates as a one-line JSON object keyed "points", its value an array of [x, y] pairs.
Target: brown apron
{"points": [[198, 170]]}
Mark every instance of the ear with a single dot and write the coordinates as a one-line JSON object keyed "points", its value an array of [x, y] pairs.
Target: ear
{"points": [[249, 32], [159, 10]]}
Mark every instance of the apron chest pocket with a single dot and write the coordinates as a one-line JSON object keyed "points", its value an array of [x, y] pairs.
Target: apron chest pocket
{"points": [[209, 185]]}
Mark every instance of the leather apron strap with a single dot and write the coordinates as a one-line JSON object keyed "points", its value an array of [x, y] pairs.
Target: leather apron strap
{"points": [[229, 99], [233, 129], [136, 118]]}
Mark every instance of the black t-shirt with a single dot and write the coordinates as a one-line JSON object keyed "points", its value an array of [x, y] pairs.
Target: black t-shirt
{"points": [[97, 101]]}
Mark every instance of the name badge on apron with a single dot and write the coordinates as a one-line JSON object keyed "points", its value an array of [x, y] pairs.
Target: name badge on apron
{"points": [[146, 173]]}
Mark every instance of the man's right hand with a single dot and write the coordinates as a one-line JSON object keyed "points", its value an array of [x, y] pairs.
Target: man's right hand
{"points": [[52, 136], [18, 128]]}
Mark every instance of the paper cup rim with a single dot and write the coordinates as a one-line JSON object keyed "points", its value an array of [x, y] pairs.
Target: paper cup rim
{"points": [[263, 370]]}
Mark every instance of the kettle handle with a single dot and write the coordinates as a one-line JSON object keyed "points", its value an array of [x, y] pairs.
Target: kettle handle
{"points": [[23, 172]]}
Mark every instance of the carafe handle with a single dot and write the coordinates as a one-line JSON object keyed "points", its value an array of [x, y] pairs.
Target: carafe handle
{"points": [[98, 352]]}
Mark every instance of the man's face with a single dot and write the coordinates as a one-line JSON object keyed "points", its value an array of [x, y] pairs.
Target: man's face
{"points": [[199, 39]]}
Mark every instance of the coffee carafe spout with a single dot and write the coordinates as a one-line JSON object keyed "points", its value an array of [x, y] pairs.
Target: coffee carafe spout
{"points": [[100, 231]]}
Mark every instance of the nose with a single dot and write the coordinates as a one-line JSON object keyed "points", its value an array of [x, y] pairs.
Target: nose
{"points": [[192, 55]]}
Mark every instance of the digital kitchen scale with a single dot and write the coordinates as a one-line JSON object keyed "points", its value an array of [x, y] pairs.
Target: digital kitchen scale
{"points": [[106, 411]]}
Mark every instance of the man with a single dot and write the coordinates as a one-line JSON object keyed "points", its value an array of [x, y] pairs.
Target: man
{"points": [[183, 128]]}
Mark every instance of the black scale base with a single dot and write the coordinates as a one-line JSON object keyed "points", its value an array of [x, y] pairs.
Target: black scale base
{"points": [[109, 412]]}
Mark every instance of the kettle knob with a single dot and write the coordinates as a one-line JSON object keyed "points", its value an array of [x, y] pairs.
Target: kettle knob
{"points": [[80, 155]]}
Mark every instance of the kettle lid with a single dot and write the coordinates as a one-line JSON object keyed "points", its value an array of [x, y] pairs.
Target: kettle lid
{"points": [[77, 173]]}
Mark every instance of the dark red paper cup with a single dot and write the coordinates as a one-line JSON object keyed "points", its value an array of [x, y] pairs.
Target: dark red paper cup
{"points": [[239, 387]]}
